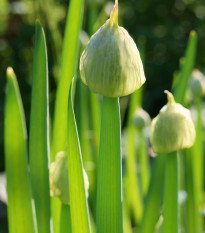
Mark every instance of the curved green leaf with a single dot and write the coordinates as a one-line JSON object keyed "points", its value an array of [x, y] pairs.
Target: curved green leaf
{"points": [[78, 202], [20, 211], [39, 133]]}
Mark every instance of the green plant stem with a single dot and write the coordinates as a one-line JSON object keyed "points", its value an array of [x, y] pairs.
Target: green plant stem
{"points": [[154, 196], [144, 163], [65, 219], [195, 184], [190, 204], [135, 199], [198, 159], [171, 207], [109, 183]]}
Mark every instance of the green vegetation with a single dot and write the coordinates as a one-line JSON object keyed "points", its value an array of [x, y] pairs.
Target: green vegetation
{"points": [[87, 165]]}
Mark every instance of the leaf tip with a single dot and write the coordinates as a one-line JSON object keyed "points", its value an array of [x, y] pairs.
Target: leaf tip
{"points": [[10, 72], [192, 33]]}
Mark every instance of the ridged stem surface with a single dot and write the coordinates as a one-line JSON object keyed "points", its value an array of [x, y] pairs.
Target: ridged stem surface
{"points": [[171, 207], [109, 184]]}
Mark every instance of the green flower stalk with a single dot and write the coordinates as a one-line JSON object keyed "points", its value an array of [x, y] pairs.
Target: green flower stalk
{"points": [[197, 87], [171, 131], [110, 65], [140, 120]]}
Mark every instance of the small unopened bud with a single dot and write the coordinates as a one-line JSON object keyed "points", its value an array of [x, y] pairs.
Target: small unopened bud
{"points": [[173, 128], [58, 176], [197, 83], [141, 118]]}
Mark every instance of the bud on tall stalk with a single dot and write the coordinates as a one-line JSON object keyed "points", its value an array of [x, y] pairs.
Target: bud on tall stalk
{"points": [[110, 65], [172, 130]]}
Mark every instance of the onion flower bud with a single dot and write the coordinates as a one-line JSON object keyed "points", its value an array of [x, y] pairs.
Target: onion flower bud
{"points": [[110, 64], [173, 128], [58, 176], [141, 118], [197, 83]]}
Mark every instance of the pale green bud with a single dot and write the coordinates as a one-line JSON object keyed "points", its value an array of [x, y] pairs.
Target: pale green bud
{"points": [[58, 175], [111, 65], [173, 128], [197, 83], [141, 118]]}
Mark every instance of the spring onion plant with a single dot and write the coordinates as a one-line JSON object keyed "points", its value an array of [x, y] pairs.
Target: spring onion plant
{"points": [[171, 131], [153, 198], [112, 76]]}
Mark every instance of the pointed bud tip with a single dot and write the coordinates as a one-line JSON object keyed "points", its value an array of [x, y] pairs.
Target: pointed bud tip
{"points": [[114, 15], [170, 97]]}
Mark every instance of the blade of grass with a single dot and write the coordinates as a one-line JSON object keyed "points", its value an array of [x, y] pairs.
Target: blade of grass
{"points": [[109, 181], [20, 211], [39, 133], [184, 74], [78, 203]]}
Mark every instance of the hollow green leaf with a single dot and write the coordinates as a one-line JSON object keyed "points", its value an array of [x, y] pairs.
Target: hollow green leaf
{"points": [[20, 211], [78, 202], [186, 69], [39, 133], [68, 66]]}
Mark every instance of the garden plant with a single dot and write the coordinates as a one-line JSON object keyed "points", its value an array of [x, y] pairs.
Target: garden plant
{"points": [[87, 167]]}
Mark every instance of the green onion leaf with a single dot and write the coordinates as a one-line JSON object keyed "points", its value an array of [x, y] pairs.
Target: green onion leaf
{"points": [[39, 133], [20, 211], [186, 69], [78, 202]]}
